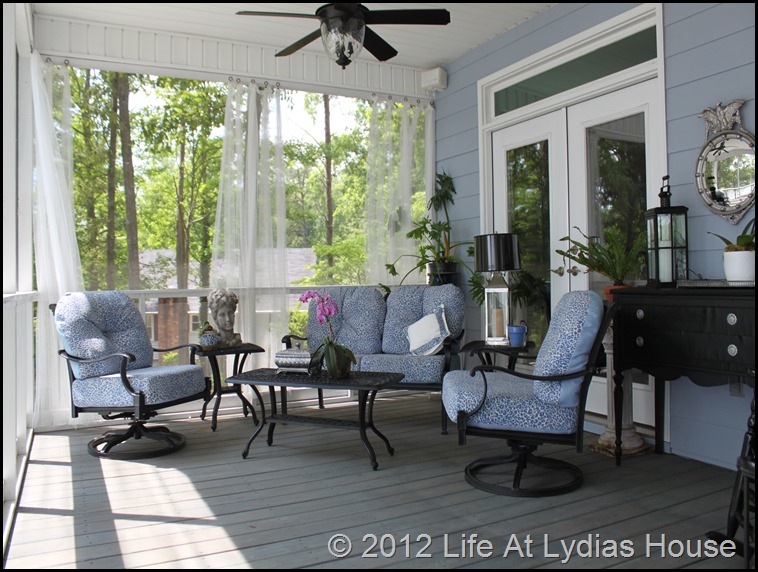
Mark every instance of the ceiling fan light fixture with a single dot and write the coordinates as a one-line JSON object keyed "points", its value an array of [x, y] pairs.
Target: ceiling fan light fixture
{"points": [[343, 38]]}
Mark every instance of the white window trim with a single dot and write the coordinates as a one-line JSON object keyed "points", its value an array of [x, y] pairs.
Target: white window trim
{"points": [[612, 30]]}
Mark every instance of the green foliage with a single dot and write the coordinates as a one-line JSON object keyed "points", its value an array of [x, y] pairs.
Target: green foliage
{"points": [[744, 241], [298, 321], [170, 358], [433, 237], [614, 257]]}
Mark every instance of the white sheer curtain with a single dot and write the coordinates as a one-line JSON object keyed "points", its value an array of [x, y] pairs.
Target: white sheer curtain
{"points": [[249, 244], [58, 267], [400, 163]]}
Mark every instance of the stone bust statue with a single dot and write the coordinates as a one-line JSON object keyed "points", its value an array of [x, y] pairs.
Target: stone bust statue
{"points": [[223, 304]]}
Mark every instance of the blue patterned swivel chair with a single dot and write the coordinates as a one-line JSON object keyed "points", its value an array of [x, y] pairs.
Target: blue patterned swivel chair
{"points": [[529, 410], [111, 372]]}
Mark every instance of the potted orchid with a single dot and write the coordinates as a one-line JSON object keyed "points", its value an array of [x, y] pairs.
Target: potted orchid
{"points": [[336, 357]]}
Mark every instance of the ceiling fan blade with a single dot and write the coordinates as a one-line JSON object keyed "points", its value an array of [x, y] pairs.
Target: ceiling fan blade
{"points": [[289, 50], [282, 14], [380, 49], [418, 17]]}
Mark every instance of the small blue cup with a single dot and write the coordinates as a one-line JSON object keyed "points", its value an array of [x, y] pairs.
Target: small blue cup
{"points": [[517, 335]]}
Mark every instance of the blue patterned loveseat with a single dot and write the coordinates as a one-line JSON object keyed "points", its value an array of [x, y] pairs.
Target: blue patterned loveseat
{"points": [[416, 331]]}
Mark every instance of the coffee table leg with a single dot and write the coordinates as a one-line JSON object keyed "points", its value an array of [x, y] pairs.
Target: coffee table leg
{"points": [[362, 398], [272, 424], [390, 450], [255, 422]]}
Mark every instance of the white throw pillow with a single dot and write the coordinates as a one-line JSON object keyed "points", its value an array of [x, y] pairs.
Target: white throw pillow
{"points": [[425, 336]]}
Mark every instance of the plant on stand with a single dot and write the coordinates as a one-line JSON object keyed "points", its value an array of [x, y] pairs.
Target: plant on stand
{"points": [[436, 252], [336, 357], [739, 256]]}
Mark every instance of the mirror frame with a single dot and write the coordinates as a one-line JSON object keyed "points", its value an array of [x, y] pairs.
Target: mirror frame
{"points": [[721, 120]]}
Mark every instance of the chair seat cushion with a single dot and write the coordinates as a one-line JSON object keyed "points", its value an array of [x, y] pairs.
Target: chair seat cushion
{"points": [[511, 404], [160, 384], [417, 369]]}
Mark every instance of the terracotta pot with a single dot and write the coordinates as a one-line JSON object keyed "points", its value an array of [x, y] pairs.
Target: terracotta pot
{"points": [[608, 290]]}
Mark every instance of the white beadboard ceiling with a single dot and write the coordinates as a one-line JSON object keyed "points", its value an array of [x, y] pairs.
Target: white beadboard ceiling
{"points": [[419, 47]]}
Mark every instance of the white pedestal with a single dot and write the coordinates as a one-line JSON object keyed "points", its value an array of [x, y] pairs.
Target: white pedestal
{"points": [[631, 441]]}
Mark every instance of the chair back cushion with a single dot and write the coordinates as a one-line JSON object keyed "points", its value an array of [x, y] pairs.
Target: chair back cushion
{"points": [[95, 324], [567, 345], [358, 322], [406, 305]]}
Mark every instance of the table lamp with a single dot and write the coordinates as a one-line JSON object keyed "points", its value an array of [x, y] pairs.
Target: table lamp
{"points": [[496, 254]]}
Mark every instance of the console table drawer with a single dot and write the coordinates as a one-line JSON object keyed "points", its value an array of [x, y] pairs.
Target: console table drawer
{"points": [[673, 333], [727, 320], [685, 350]]}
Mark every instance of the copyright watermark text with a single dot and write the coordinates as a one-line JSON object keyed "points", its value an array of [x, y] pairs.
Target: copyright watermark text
{"points": [[470, 546]]}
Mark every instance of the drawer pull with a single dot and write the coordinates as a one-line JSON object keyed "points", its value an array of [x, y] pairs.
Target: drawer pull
{"points": [[732, 350], [731, 319], [640, 314], [640, 341]]}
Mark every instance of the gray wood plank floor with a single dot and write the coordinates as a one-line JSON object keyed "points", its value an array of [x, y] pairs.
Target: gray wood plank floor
{"points": [[206, 507]]}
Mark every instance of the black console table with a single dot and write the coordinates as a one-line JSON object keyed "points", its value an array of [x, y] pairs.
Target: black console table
{"points": [[705, 334]]}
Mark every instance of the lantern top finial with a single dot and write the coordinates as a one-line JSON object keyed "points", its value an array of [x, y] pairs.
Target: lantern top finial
{"points": [[665, 193]]}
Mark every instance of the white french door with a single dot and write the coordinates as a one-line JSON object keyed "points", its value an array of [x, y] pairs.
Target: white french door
{"points": [[591, 165]]}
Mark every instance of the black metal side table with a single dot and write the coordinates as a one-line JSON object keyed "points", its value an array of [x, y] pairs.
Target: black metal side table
{"points": [[486, 351], [240, 353]]}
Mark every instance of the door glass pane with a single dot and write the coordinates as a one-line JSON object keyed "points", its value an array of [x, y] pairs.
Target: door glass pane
{"points": [[616, 179], [529, 217]]}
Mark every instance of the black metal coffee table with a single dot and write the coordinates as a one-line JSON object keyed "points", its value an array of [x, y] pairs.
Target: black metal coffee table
{"points": [[367, 384]]}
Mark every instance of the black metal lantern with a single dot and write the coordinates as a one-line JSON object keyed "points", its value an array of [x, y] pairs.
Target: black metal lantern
{"points": [[496, 254], [666, 228]]}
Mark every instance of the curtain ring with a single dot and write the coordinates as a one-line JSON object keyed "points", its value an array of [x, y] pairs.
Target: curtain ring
{"points": [[48, 60]]}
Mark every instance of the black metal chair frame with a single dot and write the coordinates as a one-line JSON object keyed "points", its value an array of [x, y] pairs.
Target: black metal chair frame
{"points": [[523, 444], [139, 412]]}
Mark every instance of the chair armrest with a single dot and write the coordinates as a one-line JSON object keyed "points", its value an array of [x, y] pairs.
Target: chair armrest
{"points": [[125, 359], [289, 338], [462, 416], [194, 348], [451, 346], [528, 376]]}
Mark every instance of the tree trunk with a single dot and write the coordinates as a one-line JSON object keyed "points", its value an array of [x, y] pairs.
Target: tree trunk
{"points": [[110, 246], [328, 181], [182, 260], [130, 198], [89, 194]]}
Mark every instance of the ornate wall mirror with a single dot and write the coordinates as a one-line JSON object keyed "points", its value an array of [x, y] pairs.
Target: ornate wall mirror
{"points": [[725, 170]]}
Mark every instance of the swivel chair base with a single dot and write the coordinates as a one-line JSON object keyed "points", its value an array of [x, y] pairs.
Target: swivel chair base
{"points": [[112, 444], [522, 458]]}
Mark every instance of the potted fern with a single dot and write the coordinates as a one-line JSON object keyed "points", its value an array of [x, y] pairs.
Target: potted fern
{"points": [[614, 258], [739, 256]]}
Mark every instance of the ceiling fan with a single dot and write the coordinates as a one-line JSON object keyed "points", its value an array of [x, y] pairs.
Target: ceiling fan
{"points": [[344, 29]]}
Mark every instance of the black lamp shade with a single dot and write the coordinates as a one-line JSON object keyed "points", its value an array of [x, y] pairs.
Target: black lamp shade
{"points": [[496, 252]]}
